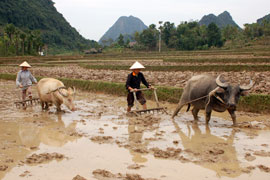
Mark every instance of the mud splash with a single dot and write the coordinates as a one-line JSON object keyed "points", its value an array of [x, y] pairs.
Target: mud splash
{"points": [[100, 142]]}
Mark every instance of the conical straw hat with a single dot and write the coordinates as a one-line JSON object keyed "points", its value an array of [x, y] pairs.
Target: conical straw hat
{"points": [[25, 64], [137, 65]]}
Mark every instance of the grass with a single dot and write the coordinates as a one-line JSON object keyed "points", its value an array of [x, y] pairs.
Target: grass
{"points": [[200, 68], [257, 103], [218, 60]]}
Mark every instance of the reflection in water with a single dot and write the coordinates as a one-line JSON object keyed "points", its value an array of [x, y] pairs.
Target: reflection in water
{"points": [[136, 128], [21, 137], [135, 131], [209, 151]]}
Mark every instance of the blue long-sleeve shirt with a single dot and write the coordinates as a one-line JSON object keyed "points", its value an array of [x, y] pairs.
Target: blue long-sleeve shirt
{"points": [[25, 78]]}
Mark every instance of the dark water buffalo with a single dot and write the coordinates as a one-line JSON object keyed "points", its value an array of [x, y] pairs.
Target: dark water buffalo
{"points": [[227, 96]]}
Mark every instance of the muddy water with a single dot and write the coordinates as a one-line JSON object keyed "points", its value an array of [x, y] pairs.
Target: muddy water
{"points": [[100, 142]]}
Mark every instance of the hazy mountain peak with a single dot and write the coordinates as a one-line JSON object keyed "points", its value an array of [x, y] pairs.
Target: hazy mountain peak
{"points": [[124, 25], [221, 20], [266, 17]]}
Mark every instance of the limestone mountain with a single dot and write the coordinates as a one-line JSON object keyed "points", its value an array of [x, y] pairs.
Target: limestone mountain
{"points": [[265, 18], [221, 20], [42, 15], [125, 26]]}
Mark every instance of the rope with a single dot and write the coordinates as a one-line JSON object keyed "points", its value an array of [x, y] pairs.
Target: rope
{"points": [[211, 93], [62, 87]]}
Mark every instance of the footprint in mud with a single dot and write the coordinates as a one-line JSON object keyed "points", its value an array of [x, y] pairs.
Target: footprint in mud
{"points": [[100, 174], [25, 174], [135, 166], [78, 177], [249, 157], [102, 139], [264, 168], [44, 157], [3, 167]]}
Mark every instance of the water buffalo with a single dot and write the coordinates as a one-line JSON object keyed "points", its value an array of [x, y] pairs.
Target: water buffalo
{"points": [[53, 91], [226, 96]]}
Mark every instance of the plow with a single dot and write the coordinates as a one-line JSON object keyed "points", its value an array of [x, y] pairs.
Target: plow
{"points": [[27, 102], [158, 108]]}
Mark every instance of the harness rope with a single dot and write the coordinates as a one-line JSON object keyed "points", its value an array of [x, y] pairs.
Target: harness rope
{"points": [[210, 94], [62, 87]]}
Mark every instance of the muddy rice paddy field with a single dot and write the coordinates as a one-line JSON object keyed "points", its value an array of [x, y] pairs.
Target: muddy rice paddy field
{"points": [[99, 141]]}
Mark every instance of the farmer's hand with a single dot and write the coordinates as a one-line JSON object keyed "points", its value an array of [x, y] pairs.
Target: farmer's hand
{"points": [[130, 89], [21, 86], [135, 89]]}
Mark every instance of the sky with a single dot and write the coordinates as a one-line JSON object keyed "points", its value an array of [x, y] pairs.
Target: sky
{"points": [[92, 18]]}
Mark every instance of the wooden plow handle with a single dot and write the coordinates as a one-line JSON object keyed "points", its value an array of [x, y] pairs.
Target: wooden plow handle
{"points": [[143, 89]]}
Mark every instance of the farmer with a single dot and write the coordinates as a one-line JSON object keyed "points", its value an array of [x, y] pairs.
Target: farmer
{"points": [[24, 80], [134, 80]]}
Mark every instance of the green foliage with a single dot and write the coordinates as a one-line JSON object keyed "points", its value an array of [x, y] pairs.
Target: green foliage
{"points": [[121, 41], [149, 37], [201, 68], [16, 42], [214, 35], [41, 15], [255, 30], [230, 32], [255, 103], [168, 30], [186, 36]]}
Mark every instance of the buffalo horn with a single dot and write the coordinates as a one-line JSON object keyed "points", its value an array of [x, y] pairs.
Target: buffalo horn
{"points": [[74, 90], [221, 84], [247, 87], [59, 90]]}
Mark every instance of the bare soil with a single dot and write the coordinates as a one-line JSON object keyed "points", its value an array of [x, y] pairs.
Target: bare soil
{"points": [[175, 79]]}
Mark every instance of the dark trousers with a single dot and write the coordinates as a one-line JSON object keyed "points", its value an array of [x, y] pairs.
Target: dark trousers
{"points": [[140, 98]]}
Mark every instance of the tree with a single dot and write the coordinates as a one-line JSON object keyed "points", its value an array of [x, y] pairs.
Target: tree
{"points": [[37, 42], [230, 32], [23, 37], [10, 30], [17, 40], [214, 35], [29, 41], [253, 30], [120, 40], [127, 43], [149, 37], [167, 31], [137, 36]]}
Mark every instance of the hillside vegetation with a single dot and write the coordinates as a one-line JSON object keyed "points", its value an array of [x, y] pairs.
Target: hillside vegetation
{"points": [[41, 15]]}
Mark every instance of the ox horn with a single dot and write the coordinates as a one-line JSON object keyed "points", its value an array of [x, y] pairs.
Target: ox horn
{"points": [[221, 84], [74, 90], [247, 87], [59, 90]]}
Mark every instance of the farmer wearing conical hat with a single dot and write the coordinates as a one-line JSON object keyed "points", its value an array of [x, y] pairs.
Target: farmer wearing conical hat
{"points": [[25, 80], [133, 82]]}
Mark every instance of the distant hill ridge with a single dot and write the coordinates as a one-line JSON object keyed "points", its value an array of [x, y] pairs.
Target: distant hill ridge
{"points": [[222, 20], [267, 18], [41, 15], [125, 26]]}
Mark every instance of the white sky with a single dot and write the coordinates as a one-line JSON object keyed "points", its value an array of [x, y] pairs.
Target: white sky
{"points": [[92, 18]]}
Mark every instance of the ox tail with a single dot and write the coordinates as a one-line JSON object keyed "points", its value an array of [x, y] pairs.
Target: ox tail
{"points": [[188, 107], [178, 108]]}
